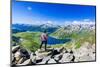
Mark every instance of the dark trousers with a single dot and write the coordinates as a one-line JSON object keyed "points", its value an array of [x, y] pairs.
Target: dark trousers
{"points": [[43, 42]]}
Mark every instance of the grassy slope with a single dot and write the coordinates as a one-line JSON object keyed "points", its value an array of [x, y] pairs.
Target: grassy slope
{"points": [[78, 38], [30, 40]]}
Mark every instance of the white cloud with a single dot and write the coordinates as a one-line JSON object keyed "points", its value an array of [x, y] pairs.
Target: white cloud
{"points": [[84, 21], [39, 22]]}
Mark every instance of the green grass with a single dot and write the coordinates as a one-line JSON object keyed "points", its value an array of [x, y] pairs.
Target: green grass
{"points": [[78, 37], [78, 45], [57, 46], [31, 40], [30, 45]]}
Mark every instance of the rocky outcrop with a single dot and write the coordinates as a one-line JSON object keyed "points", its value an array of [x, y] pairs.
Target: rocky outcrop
{"points": [[22, 56], [85, 53], [51, 61], [67, 57], [15, 48]]}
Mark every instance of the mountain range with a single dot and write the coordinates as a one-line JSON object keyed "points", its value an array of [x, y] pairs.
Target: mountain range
{"points": [[51, 28], [27, 27]]}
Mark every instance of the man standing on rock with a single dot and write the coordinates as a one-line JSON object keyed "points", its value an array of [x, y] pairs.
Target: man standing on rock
{"points": [[44, 38]]}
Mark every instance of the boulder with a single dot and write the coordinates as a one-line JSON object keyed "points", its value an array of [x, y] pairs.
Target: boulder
{"points": [[27, 62], [45, 60], [40, 51], [24, 53], [21, 61], [71, 52], [55, 52], [36, 52], [73, 59], [58, 57], [51, 61], [15, 48], [65, 51], [38, 59], [33, 58], [17, 55], [42, 55], [67, 57]]}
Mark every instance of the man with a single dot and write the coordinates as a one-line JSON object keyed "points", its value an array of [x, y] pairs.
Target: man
{"points": [[44, 38]]}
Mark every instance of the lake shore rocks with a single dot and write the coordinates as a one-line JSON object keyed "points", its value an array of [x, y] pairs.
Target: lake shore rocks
{"points": [[22, 56]]}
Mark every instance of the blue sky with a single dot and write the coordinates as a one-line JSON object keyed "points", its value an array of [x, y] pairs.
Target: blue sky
{"points": [[38, 13]]}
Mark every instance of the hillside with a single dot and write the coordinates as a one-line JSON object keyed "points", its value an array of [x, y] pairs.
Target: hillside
{"points": [[80, 47], [78, 33]]}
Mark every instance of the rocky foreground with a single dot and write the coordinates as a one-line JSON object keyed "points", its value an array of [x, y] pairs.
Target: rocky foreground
{"points": [[22, 56]]}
